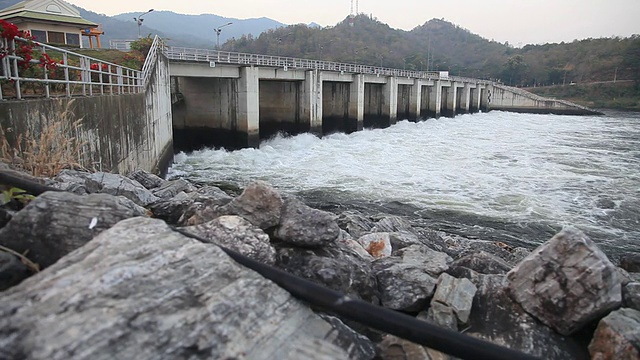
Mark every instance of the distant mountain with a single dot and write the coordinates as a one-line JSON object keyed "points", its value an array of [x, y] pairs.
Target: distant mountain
{"points": [[200, 28]]}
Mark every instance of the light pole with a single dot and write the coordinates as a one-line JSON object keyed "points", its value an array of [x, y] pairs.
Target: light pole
{"points": [[218, 30], [139, 21]]}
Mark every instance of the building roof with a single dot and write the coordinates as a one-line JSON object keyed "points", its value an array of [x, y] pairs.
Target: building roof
{"points": [[55, 11]]}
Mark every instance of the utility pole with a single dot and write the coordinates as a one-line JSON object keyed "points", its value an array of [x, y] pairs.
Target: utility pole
{"points": [[218, 30], [139, 21]]}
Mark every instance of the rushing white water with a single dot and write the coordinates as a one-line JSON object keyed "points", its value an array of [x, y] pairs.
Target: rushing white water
{"points": [[513, 168]]}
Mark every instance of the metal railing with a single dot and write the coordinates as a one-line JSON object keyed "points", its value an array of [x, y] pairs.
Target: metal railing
{"points": [[152, 56], [236, 58], [533, 96], [74, 75]]}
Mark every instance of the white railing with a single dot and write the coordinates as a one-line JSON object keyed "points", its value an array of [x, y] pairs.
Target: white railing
{"points": [[226, 57], [152, 56], [74, 75], [533, 96]]}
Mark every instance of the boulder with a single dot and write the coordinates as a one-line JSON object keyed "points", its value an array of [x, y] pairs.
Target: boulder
{"points": [[171, 210], [405, 287], [118, 185], [5, 216], [169, 189], [142, 291], [441, 315], [303, 226], [335, 266], [432, 262], [631, 295], [237, 234], [259, 203], [395, 348], [456, 294], [496, 317], [377, 245], [146, 179], [483, 263], [617, 336], [401, 240], [392, 224], [72, 181], [12, 271], [56, 223], [205, 205], [630, 262], [566, 282], [355, 223], [358, 345]]}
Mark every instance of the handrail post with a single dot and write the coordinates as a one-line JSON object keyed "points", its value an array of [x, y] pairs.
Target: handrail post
{"points": [[65, 61]]}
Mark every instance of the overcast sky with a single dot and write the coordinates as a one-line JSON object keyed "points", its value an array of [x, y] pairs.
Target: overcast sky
{"points": [[519, 22]]}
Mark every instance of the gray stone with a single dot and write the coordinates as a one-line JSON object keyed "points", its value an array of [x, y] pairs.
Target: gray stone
{"points": [[484, 263], [239, 235], [566, 282], [401, 240], [457, 294], [497, 318], [442, 315], [142, 291], [259, 203], [171, 210], [118, 185], [171, 188], [335, 266], [345, 241], [303, 226], [355, 223], [56, 223], [631, 295], [206, 204], [377, 245], [12, 271], [630, 262], [617, 336], [146, 179], [72, 181], [358, 346], [405, 287], [432, 262], [395, 348], [392, 224]]}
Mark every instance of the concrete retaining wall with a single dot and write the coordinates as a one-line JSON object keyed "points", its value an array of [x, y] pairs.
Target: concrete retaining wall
{"points": [[517, 100], [120, 133]]}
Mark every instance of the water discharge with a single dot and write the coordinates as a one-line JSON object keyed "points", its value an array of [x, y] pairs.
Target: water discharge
{"points": [[516, 178]]}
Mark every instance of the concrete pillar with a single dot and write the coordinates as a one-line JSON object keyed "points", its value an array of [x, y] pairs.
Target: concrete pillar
{"points": [[311, 98], [485, 100], [390, 98], [475, 99], [249, 105], [415, 99], [465, 99], [435, 99], [452, 96], [356, 103]]}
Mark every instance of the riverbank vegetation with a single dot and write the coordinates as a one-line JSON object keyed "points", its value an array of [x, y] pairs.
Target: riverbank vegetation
{"points": [[621, 95]]}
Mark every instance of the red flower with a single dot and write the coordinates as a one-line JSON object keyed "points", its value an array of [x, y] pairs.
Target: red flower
{"points": [[8, 30]]}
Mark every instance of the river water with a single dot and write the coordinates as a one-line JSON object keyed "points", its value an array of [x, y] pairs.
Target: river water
{"points": [[516, 178]]}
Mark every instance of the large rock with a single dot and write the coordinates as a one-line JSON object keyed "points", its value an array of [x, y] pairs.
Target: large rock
{"points": [[146, 179], [172, 188], [239, 235], [457, 294], [259, 203], [432, 262], [499, 319], [56, 223], [392, 224], [142, 291], [405, 287], [303, 226], [484, 263], [72, 181], [118, 185], [336, 266], [204, 205], [355, 223], [617, 336], [566, 282], [631, 295], [358, 345], [171, 210], [630, 262], [377, 245]]}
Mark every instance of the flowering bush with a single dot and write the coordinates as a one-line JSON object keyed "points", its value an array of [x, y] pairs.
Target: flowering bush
{"points": [[95, 67], [24, 50]]}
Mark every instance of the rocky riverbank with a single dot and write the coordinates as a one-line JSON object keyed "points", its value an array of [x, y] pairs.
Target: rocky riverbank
{"points": [[118, 280]]}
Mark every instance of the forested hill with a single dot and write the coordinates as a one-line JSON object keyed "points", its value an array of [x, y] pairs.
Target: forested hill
{"points": [[440, 45]]}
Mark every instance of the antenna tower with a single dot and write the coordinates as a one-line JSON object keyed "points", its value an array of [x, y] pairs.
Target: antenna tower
{"points": [[351, 16]]}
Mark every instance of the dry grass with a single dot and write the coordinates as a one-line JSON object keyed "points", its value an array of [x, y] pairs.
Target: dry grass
{"points": [[46, 153]]}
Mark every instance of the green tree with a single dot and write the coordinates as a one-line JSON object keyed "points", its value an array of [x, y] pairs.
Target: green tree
{"points": [[514, 69], [631, 60]]}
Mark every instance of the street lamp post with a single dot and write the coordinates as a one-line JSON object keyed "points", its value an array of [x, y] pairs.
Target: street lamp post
{"points": [[139, 21], [218, 30]]}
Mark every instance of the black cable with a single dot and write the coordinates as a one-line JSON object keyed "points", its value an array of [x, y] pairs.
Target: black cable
{"points": [[386, 320], [376, 317], [30, 187]]}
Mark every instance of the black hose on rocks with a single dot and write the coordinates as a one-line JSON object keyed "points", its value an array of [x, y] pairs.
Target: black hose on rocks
{"points": [[386, 320], [382, 319]]}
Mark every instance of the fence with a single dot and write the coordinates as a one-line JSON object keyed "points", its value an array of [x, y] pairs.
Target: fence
{"points": [[226, 57], [74, 75]]}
